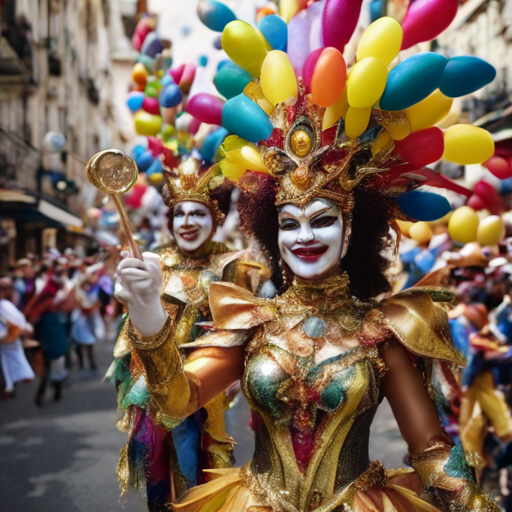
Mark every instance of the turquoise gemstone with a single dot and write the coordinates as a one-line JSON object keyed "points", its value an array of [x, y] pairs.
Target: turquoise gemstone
{"points": [[314, 327]]}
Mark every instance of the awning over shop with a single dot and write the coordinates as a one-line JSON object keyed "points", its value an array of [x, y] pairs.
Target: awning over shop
{"points": [[27, 208]]}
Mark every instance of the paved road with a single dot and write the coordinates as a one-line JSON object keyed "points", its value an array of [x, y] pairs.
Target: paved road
{"points": [[63, 456]]}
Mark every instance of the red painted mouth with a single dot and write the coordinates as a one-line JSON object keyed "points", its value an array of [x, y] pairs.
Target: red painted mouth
{"points": [[190, 235], [310, 254]]}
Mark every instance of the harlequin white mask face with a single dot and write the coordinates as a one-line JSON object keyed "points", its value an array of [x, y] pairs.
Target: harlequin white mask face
{"points": [[192, 226], [311, 238]]}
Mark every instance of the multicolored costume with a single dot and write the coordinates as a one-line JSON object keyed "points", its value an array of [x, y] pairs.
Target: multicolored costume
{"points": [[313, 420], [164, 455], [312, 412]]}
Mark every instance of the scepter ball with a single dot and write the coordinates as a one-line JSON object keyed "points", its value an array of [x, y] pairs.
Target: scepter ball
{"points": [[112, 171]]}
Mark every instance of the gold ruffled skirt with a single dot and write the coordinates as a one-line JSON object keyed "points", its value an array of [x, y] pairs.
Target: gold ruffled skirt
{"points": [[376, 490]]}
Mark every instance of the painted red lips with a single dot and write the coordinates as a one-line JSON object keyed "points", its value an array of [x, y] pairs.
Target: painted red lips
{"points": [[310, 254], [190, 236]]}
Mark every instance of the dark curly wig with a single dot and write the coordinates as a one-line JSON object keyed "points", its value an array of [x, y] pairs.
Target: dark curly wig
{"points": [[364, 262]]}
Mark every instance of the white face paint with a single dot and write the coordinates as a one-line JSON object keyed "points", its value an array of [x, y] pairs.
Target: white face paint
{"points": [[192, 226], [311, 238]]}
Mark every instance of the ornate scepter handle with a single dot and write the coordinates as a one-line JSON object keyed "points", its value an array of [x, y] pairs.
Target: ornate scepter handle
{"points": [[114, 173]]}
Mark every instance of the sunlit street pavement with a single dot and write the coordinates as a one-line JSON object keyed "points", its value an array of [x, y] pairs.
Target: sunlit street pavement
{"points": [[63, 456]]}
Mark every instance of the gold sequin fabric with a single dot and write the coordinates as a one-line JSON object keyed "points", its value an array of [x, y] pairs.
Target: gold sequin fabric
{"points": [[312, 378]]}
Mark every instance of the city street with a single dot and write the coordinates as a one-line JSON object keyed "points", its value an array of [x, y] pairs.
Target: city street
{"points": [[63, 456]]}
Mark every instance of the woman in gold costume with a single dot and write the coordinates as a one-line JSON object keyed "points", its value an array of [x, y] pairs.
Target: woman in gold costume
{"points": [[316, 361], [319, 192], [165, 455]]}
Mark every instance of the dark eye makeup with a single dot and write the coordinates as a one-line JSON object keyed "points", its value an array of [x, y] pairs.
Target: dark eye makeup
{"points": [[288, 224], [194, 213], [323, 221]]}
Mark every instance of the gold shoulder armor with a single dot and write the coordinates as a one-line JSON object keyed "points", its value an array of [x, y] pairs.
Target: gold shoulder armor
{"points": [[420, 323]]}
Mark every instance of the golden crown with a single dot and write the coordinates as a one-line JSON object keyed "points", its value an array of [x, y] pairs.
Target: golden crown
{"points": [[187, 183], [312, 163]]}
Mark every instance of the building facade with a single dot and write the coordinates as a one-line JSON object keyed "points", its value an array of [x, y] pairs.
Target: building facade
{"points": [[58, 65]]}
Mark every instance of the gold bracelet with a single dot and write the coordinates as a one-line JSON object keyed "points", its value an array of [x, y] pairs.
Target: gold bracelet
{"points": [[140, 342]]}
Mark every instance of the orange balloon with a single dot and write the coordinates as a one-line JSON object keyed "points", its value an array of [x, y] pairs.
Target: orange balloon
{"points": [[329, 77], [139, 74]]}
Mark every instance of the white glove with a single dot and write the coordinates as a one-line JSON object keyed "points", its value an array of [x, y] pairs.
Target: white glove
{"points": [[138, 286]]}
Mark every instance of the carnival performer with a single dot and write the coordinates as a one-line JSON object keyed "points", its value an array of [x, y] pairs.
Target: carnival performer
{"points": [[319, 191], [165, 454], [316, 361], [48, 312]]}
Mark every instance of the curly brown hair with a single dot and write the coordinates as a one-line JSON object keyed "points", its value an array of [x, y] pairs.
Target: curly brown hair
{"points": [[364, 262]]}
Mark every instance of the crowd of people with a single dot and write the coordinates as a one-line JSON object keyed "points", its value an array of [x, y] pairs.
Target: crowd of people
{"points": [[479, 415], [53, 309]]}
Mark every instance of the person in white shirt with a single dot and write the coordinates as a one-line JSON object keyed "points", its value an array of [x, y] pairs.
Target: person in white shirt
{"points": [[14, 364]]}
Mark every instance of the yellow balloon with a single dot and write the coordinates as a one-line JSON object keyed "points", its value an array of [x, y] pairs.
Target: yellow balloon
{"points": [[240, 160], [278, 79], [156, 178], [429, 112], [244, 46], [334, 112], [366, 82], [490, 230], [356, 121], [382, 40], [147, 124], [443, 221], [232, 142], [382, 143], [463, 225], [466, 144], [140, 74], [421, 232], [254, 91], [404, 226], [289, 8], [399, 131]]}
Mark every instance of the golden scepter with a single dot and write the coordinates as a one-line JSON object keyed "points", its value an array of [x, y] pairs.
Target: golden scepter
{"points": [[114, 173]]}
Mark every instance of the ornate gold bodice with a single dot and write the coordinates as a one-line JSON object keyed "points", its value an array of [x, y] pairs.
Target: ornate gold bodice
{"points": [[312, 376]]}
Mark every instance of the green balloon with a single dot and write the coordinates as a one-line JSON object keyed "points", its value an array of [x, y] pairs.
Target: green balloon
{"points": [[231, 80], [147, 62], [151, 92]]}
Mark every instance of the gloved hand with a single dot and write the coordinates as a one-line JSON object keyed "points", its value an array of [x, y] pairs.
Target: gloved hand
{"points": [[138, 286]]}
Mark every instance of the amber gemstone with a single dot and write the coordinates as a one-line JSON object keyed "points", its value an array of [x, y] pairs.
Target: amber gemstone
{"points": [[301, 143]]}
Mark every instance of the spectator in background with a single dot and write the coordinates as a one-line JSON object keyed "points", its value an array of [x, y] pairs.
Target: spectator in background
{"points": [[88, 326], [48, 312], [14, 364], [24, 284]]}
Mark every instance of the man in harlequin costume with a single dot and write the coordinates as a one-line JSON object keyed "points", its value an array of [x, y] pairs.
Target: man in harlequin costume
{"points": [[321, 184], [165, 456]]}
